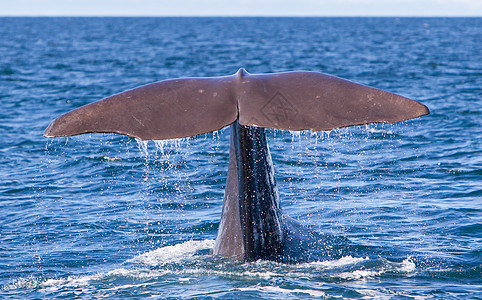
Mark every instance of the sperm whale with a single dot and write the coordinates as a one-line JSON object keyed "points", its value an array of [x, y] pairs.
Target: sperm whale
{"points": [[251, 225]]}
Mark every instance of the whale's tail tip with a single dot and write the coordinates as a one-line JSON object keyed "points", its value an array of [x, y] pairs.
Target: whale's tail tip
{"points": [[190, 106]]}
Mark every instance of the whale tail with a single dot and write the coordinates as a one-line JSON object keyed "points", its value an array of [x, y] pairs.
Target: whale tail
{"points": [[190, 106], [251, 226]]}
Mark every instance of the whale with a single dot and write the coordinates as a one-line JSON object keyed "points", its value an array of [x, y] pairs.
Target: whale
{"points": [[252, 225]]}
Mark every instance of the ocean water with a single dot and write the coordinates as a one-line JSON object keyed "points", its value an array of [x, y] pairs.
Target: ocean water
{"points": [[386, 211]]}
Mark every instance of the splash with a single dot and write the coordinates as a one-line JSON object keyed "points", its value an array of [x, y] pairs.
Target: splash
{"points": [[143, 146], [163, 147], [373, 129], [331, 264], [189, 262], [176, 253]]}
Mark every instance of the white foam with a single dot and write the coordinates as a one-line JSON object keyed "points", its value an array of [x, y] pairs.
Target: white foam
{"points": [[333, 264], [407, 266], [277, 289], [347, 268], [168, 254], [134, 273], [359, 274], [22, 283], [130, 286], [175, 253], [261, 274], [79, 282], [383, 293]]}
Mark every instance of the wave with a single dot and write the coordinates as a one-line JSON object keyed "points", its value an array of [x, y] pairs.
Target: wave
{"points": [[171, 265]]}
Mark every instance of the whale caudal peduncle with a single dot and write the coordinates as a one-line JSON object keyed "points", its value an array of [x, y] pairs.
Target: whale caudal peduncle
{"points": [[251, 223]]}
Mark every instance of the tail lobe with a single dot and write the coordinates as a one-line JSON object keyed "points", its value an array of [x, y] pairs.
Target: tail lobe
{"points": [[185, 107]]}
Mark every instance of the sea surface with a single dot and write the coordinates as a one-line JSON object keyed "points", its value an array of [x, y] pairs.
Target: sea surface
{"points": [[386, 211]]}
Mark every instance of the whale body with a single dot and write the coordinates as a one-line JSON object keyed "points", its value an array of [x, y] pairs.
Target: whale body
{"points": [[251, 225]]}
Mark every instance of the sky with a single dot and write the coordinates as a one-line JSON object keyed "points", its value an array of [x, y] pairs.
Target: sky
{"points": [[241, 8]]}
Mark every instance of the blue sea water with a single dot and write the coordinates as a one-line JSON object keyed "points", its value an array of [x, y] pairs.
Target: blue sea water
{"points": [[388, 211]]}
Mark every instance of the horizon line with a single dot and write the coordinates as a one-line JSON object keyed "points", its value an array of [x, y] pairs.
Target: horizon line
{"points": [[234, 16]]}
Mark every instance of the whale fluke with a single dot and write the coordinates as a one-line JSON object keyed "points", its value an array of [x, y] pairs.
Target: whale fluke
{"points": [[162, 110], [252, 226], [185, 107]]}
